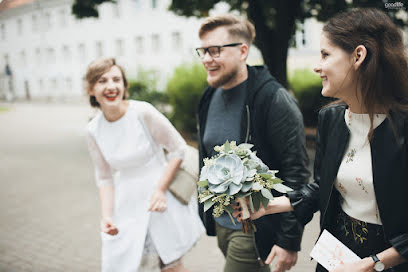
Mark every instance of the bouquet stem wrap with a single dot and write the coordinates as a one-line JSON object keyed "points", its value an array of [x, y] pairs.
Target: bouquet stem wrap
{"points": [[247, 225]]}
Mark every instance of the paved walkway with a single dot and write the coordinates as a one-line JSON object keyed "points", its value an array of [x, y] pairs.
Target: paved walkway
{"points": [[49, 205]]}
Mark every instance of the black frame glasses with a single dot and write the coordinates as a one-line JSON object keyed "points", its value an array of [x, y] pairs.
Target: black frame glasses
{"points": [[214, 50]]}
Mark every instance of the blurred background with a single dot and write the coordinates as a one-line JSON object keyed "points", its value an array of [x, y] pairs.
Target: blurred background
{"points": [[49, 209]]}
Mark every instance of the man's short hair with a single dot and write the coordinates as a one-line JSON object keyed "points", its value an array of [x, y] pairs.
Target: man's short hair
{"points": [[236, 27]]}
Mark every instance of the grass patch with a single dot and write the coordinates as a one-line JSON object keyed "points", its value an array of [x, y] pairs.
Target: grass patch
{"points": [[2, 109]]}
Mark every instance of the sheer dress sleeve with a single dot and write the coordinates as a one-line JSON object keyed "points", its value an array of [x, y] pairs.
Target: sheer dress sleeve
{"points": [[103, 172], [163, 132]]}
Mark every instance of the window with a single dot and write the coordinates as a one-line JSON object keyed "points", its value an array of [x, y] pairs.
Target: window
{"points": [[154, 4], [41, 85], [34, 22], [139, 44], [116, 9], [63, 17], [51, 57], [119, 48], [303, 37], [137, 4], [38, 55], [99, 49], [3, 32], [156, 43], [19, 26], [66, 53], [23, 59], [176, 41], [47, 20], [68, 84], [53, 84], [81, 52]]}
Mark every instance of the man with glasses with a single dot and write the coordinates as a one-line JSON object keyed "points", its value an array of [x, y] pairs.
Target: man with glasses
{"points": [[246, 104]]}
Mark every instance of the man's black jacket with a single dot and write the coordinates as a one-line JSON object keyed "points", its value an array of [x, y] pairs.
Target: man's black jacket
{"points": [[272, 122]]}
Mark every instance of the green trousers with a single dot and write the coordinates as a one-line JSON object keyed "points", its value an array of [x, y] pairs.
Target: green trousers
{"points": [[239, 251]]}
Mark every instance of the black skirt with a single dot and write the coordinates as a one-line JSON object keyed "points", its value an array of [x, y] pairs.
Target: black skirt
{"points": [[362, 238]]}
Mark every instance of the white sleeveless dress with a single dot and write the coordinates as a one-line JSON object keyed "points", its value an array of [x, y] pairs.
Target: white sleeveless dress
{"points": [[128, 154]]}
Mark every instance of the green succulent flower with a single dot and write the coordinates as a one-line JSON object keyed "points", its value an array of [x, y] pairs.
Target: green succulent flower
{"points": [[227, 175]]}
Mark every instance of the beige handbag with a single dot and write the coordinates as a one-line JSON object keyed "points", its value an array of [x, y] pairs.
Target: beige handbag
{"points": [[184, 184]]}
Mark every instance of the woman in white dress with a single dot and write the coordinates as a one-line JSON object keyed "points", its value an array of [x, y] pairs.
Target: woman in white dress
{"points": [[143, 227]]}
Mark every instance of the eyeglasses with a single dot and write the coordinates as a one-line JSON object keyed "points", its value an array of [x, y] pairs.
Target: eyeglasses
{"points": [[214, 51]]}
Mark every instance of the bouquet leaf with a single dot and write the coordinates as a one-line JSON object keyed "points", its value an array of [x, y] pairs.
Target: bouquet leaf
{"points": [[266, 193], [282, 188], [206, 198], [276, 180], [266, 175], [246, 146], [256, 199], [202, 183], [230, 216], [227, 147], [264, 201], [257, 186], [208, 204]]}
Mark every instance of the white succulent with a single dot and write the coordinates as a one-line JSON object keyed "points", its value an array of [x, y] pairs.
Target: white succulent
{"points": [[227, 175]]}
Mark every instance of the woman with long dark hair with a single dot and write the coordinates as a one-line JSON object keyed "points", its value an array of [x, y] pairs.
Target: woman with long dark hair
{"points": [[361, 164]]}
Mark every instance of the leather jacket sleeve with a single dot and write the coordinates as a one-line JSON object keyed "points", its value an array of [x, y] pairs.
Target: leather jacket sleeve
{"points": [[285, 133], [305, 201]]}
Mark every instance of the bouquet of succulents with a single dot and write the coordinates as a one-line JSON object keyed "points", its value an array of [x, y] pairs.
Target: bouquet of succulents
{"points": [[236, 174]]}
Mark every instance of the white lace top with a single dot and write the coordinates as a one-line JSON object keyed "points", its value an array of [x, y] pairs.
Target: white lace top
{"points": [[355, 175], [158, 126], [128, 155]]}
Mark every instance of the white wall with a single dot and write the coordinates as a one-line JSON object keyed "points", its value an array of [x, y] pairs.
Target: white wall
{"points": [[46, 46]]}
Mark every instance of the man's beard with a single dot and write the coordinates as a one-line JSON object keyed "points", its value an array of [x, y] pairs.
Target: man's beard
{"points": [[224, 79]]}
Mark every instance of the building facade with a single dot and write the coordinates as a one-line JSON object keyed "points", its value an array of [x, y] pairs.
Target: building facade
{"points": [[47, 50]]}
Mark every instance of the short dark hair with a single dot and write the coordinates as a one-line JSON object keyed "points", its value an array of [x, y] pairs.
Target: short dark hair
{"points": [[236, 27]]}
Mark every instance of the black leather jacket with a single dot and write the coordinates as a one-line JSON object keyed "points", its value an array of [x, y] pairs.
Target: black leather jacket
{"points": [[389, 153], [272, 122]]}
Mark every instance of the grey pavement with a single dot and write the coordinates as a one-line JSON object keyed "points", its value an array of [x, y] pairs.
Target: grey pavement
{"points": [[49, 215]]}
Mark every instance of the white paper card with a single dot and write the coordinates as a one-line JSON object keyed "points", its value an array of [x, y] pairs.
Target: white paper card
{"points": [[330, 252]]}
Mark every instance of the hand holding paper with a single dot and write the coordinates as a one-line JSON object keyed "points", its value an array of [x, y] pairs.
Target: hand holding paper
{"points": [[330, 252]]}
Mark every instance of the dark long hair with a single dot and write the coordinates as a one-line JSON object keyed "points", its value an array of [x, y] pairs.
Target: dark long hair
{"points": [[382, 76]]}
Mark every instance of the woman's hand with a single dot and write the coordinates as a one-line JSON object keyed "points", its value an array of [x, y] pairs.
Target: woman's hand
{"points": [[277, 205], [158, 202], [107, 226], [238, 212], [365, 265]]}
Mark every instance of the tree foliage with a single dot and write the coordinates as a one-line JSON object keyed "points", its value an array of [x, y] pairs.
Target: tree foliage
{"points": [[184, 89], [275, 20]]}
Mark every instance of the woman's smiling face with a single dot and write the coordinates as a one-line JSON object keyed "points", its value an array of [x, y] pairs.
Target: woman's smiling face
{"points": [[336, 70], [109, 89]]}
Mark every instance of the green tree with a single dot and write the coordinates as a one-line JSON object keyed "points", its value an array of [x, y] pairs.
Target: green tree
{"points": [[144, 87], [184, 89], [275, 20]]}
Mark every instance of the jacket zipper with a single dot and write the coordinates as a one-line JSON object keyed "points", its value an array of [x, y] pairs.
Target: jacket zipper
{"points": [[248, 124], [261, 263]]}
